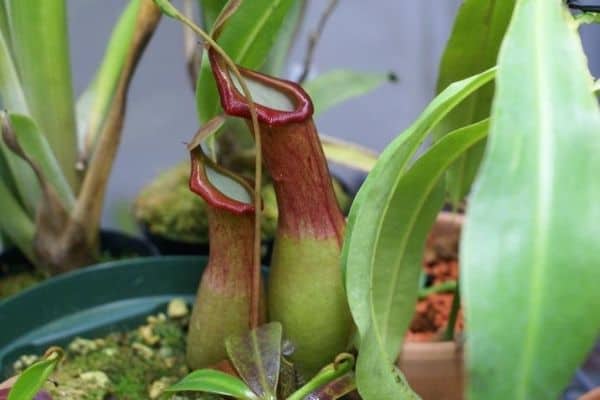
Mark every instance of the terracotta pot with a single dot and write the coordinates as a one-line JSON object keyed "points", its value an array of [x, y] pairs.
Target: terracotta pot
{"points": [[435, 369], [592, 395]]}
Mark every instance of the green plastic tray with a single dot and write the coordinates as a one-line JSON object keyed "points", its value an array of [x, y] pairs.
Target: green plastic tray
{"points": [[92, 302]]}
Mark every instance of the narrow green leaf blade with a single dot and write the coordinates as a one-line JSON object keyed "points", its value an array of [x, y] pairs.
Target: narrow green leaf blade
{"points": [[467, 54], [35, 146], [348, 154], [210, 10], [529, 253], [11, 93], [94, 103], [4, 24], [33, 378], [15, 223], [335, 87], [256, 356], [247, 39], [392, 163], [388, 251], [40, 42], [212, 381], [276, 61]]}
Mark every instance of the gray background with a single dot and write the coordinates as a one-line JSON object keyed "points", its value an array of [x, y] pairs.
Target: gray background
{"points": [[406, 37]]}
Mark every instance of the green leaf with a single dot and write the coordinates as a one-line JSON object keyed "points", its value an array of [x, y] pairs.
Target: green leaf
{"points": [[247, 39], [11, 93], [35, 146], [217, 382], [529, 253], [41, 47], [387, 251], [4, 24], [33, 378], [338, 86], [348, 154], [14, 221], [392, 163], [210, 10], [467, 54], [93, 105], [278, 56], [256, 356]]}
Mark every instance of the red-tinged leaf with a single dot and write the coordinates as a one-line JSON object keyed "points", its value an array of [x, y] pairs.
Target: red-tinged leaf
{"points": [[256, 356]]}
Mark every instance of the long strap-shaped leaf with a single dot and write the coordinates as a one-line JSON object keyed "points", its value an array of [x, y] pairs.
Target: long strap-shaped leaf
{"points": [[396, 252], [11, 93], [467, 54], [39, 33], [379, 186], [94, 103], [529, 255]]}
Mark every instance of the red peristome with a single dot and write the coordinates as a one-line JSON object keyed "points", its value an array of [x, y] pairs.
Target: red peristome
{"points": [[200, 185], [235, 104]]}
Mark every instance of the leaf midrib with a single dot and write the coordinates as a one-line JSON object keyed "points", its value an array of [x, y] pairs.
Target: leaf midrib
{"points": [[542, 201]]}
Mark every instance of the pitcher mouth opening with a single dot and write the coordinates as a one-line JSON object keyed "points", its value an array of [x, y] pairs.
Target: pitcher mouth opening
{"points": [[277, 101]]}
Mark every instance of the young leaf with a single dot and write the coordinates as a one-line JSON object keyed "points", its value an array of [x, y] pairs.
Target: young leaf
{"points": [[217, 382], [335, 87], [247, 39], [394, 225], [391, 165], [33, 378], [93, 105], [40, 42], [256, 356], [529, 250], [467, 54]]}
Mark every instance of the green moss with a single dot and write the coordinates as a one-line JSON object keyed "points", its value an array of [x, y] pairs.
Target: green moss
{"points": [[125, 366], [169, 209]]}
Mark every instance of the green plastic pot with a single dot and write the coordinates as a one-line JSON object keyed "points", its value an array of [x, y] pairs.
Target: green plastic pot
{"points": [[93, 302]]}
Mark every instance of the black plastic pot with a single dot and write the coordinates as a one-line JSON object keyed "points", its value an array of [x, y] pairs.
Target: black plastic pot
{"points": [[167, 246], [92, 302]]}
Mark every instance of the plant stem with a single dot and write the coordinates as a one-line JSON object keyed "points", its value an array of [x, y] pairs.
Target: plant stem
{"points": [[449, 334], [170, 10], [449, 286]]}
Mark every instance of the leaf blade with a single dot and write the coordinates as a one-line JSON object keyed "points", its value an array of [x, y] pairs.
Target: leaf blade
{"points": [[33, 378], [256, 356], [394, 161], [337, 86], [539, 176], [465, 55], [41, 47], [212, 381], [394, 247]]}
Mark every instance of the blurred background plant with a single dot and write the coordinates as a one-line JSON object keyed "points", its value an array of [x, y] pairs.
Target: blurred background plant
{"points": [[56, 154]]}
